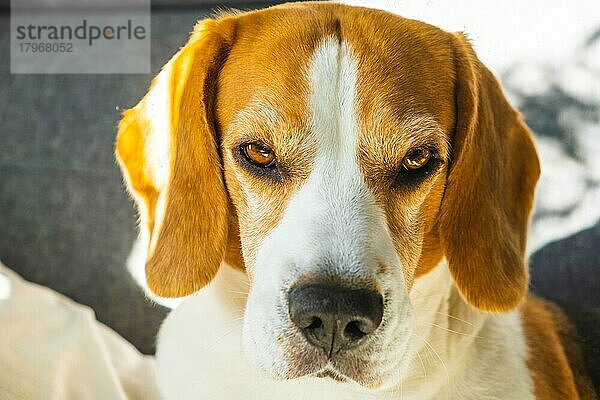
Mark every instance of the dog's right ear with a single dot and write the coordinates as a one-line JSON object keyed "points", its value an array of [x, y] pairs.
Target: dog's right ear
{"points": [[168, 152]]}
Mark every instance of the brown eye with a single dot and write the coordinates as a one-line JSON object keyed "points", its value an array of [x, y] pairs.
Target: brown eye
{"points": [[259, 154], [417, 159]]}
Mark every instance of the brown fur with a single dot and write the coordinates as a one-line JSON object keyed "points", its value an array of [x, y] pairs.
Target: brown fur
{"points": [[554, 359]]}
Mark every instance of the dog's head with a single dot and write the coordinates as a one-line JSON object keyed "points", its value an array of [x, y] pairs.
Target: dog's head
{"points": [[336, 154]]}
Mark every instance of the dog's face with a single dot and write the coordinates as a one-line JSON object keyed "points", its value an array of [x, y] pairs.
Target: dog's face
{"points": [[335, 154], [336, 174]]}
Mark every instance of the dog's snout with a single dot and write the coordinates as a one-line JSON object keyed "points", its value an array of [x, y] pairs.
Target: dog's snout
{"points": [[335, 318]]}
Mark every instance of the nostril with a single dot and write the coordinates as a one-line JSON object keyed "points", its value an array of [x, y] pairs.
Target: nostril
{"points": [[315, 332], [353, 331], [315, 324]]}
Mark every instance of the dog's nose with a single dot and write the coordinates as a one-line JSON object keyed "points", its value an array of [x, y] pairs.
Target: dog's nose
{"points": [[335, 318]]}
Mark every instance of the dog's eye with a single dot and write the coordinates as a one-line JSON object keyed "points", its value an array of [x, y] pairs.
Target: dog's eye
{"points": [[417, 165], [417, 159], [258, 159], [258, 154]]}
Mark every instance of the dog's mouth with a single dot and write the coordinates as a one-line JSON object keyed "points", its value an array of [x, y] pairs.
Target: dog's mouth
{"points": [[331, 373], [364, 377]]}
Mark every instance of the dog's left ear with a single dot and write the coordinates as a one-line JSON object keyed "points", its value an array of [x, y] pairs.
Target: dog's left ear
{"points": [[489, 192], [168, 150]]}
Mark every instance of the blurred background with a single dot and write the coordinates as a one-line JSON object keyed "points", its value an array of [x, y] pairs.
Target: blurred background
{"points": [[66, 222]]}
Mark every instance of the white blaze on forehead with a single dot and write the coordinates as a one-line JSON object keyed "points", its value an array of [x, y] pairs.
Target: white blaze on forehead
{"points": [[324, 214], [335, 194], [333, 89], [332, 217]]}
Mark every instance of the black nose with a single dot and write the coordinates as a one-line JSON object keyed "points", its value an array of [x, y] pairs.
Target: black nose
{"points": [[335, 318]]}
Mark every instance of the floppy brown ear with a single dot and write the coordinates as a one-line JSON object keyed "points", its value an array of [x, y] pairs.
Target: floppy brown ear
{"points": [[489, 192], [167, 149]]}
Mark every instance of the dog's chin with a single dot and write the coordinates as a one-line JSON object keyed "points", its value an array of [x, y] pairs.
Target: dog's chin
{"points": [[333, 375], [326, 371], [330, 373], [353, 371], [361, 377]]}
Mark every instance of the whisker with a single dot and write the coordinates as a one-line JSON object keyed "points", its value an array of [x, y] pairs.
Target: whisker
{"points": [[424, 296], [221, 337], [242, 281], [422, 365], [239, 298], [238, 292], [437, 355], [456, 332], [455, 318], [401, 389]]}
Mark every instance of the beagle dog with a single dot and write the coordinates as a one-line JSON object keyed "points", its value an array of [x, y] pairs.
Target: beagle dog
{"points": [[342, 197]]}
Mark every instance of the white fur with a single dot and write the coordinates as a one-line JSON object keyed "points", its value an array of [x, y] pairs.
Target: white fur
{"points": [[5, 286], [156, 108]]}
